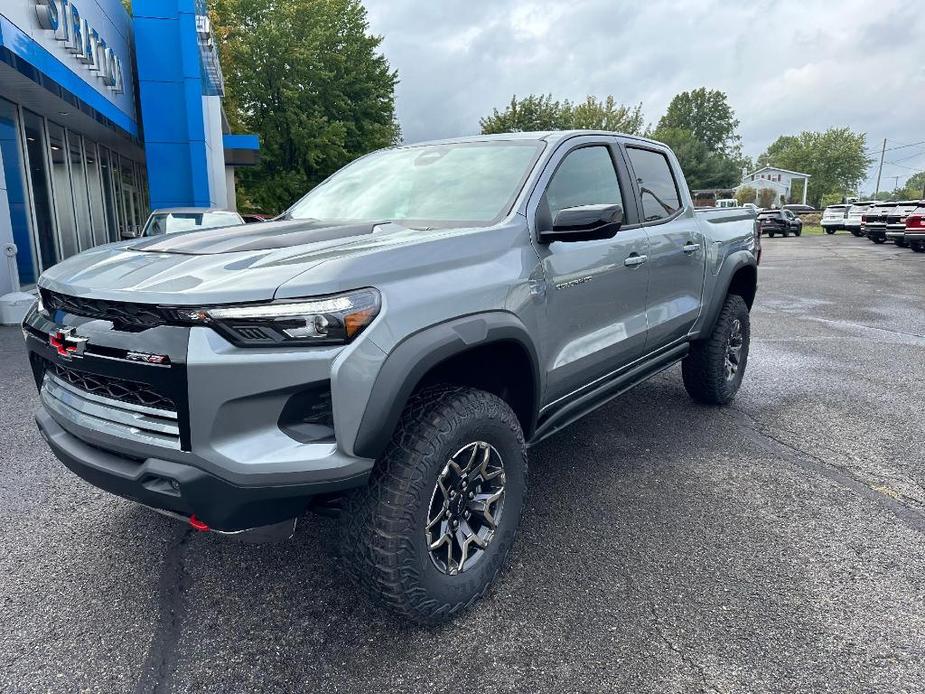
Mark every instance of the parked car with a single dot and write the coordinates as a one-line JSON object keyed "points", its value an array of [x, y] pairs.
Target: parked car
{"points": [[800, 209], [396, 369], [915, 230], [873, 222], [896, 221], [176, 219], [853, 220], [833, 218], [752, 206], [255, 217], [723, 203], [782, 222]]}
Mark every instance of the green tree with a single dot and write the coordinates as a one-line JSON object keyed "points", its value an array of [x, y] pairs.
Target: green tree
{"points": [[308, 77], [746, 194], [708, 115], [766, 198], [834, 159], [545, 113], [594, 114], [702, 168], [914, 188], [528, 114]]}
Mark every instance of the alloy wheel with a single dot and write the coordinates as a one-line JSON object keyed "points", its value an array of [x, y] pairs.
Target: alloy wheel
{"points": [[734, 349], [465, 508]]}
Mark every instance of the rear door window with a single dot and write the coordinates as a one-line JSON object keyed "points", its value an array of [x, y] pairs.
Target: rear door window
{"points": [[658, 190]]}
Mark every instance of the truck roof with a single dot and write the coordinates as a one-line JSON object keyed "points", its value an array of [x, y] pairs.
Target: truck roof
{"points": [[552, 136]]}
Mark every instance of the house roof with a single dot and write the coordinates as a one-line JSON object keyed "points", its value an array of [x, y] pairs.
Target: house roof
{"points": [[777, 168]]}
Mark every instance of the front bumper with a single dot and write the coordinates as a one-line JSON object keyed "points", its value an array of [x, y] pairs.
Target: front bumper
{"points": [[218, 446], [184, 489]]}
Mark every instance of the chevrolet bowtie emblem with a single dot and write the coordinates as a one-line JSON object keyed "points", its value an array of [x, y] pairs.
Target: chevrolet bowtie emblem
{"points": [[66, 343]]}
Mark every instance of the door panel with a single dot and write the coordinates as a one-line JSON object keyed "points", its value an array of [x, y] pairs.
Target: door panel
{"points": [[595, 303], [677, 247], [595, 307]]}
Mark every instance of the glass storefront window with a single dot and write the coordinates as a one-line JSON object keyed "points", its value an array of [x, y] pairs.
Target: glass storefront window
{"points": [[79, 191], [129, 193], [97, 212], [37, 163], [61, 185], [109, 195], [12, 170]]}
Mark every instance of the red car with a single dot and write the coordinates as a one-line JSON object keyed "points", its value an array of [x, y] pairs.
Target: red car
{"points": [[915, 230]]}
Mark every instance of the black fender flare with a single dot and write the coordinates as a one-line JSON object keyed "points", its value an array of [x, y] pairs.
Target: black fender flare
{"points": [[733, 263], [413, 357]]}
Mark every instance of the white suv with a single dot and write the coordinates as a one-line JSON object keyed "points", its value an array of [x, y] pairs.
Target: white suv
{"points": [[853, 218], [833, 218]]}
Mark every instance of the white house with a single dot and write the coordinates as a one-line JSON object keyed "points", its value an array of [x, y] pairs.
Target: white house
{"points": [[776, 179]]}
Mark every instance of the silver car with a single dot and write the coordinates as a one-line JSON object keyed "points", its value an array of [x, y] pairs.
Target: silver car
{"points": [[172, 220]]}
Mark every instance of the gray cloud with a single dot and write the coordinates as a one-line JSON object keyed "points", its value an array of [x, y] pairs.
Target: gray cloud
{"points": [[787, 65]]}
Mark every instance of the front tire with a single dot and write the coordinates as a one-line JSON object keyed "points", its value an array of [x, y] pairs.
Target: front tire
{"points": [[430, 533], [714, 367], [830, 231]]}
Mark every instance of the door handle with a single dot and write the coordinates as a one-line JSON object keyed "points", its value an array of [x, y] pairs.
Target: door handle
{"points": [[691, 247], [635, 260]]}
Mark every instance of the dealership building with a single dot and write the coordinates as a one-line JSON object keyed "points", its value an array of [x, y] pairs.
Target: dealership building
{"points": [[103, 117]]}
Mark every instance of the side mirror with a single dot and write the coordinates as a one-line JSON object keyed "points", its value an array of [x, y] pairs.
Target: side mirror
{"points": [[584, 223], [130, 233]]}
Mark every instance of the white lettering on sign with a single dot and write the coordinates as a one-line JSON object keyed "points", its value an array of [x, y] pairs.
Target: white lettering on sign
{"points": [[63, 18]]}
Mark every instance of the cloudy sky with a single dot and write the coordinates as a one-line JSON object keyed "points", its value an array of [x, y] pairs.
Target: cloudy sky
{"points": [[787, 65]]}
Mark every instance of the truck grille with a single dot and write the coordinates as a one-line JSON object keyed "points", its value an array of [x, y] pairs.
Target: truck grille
{"points": [[123, 315], [128, 392], [91, 410]]}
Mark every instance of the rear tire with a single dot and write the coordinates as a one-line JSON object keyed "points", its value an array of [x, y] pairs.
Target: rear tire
{"points": [[390, 526], [714, 368], [917, 246], [830, 231], [901, 243], [878, 240], [770, 234]]}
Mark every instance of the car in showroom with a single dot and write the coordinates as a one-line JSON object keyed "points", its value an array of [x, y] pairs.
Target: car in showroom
{"points": [[176, 219], [833, 218], [873, 222], [896, 221], [853, 219], [783, 222]]}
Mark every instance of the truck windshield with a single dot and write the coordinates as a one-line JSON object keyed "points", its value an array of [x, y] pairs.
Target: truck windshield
{"points": [[470, 183]]}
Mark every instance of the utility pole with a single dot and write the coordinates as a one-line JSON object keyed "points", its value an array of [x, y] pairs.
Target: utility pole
{"points": [[880, 169]]}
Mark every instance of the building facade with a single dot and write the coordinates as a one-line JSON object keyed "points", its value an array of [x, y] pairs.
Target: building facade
{"points": [[779, 181], [103, 117]]}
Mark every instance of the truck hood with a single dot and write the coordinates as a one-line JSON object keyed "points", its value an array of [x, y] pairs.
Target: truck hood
{"points": [[224, 265]]}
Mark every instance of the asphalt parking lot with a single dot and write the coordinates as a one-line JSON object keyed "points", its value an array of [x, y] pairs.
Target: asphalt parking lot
{"points": [[777, 545]]}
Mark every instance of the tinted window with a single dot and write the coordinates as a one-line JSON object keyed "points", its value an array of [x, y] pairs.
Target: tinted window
{"points": [[585, 177], [658, 192]]}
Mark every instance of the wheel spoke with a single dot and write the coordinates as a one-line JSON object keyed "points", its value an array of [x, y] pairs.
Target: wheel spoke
{"points": [[481, 505]]}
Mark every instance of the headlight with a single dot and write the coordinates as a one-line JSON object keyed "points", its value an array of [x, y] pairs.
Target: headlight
{"points": [[330, 320]]}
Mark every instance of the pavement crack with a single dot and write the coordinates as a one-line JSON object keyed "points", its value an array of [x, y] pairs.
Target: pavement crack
{"points": [[760, 435], [161, 662], [660, 630]]}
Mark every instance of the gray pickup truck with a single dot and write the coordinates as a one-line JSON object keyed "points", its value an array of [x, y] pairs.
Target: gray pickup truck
{"points": [[392, 345]]}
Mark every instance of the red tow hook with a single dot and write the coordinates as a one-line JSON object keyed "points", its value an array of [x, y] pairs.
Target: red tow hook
{"points": [[198, 524]]}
